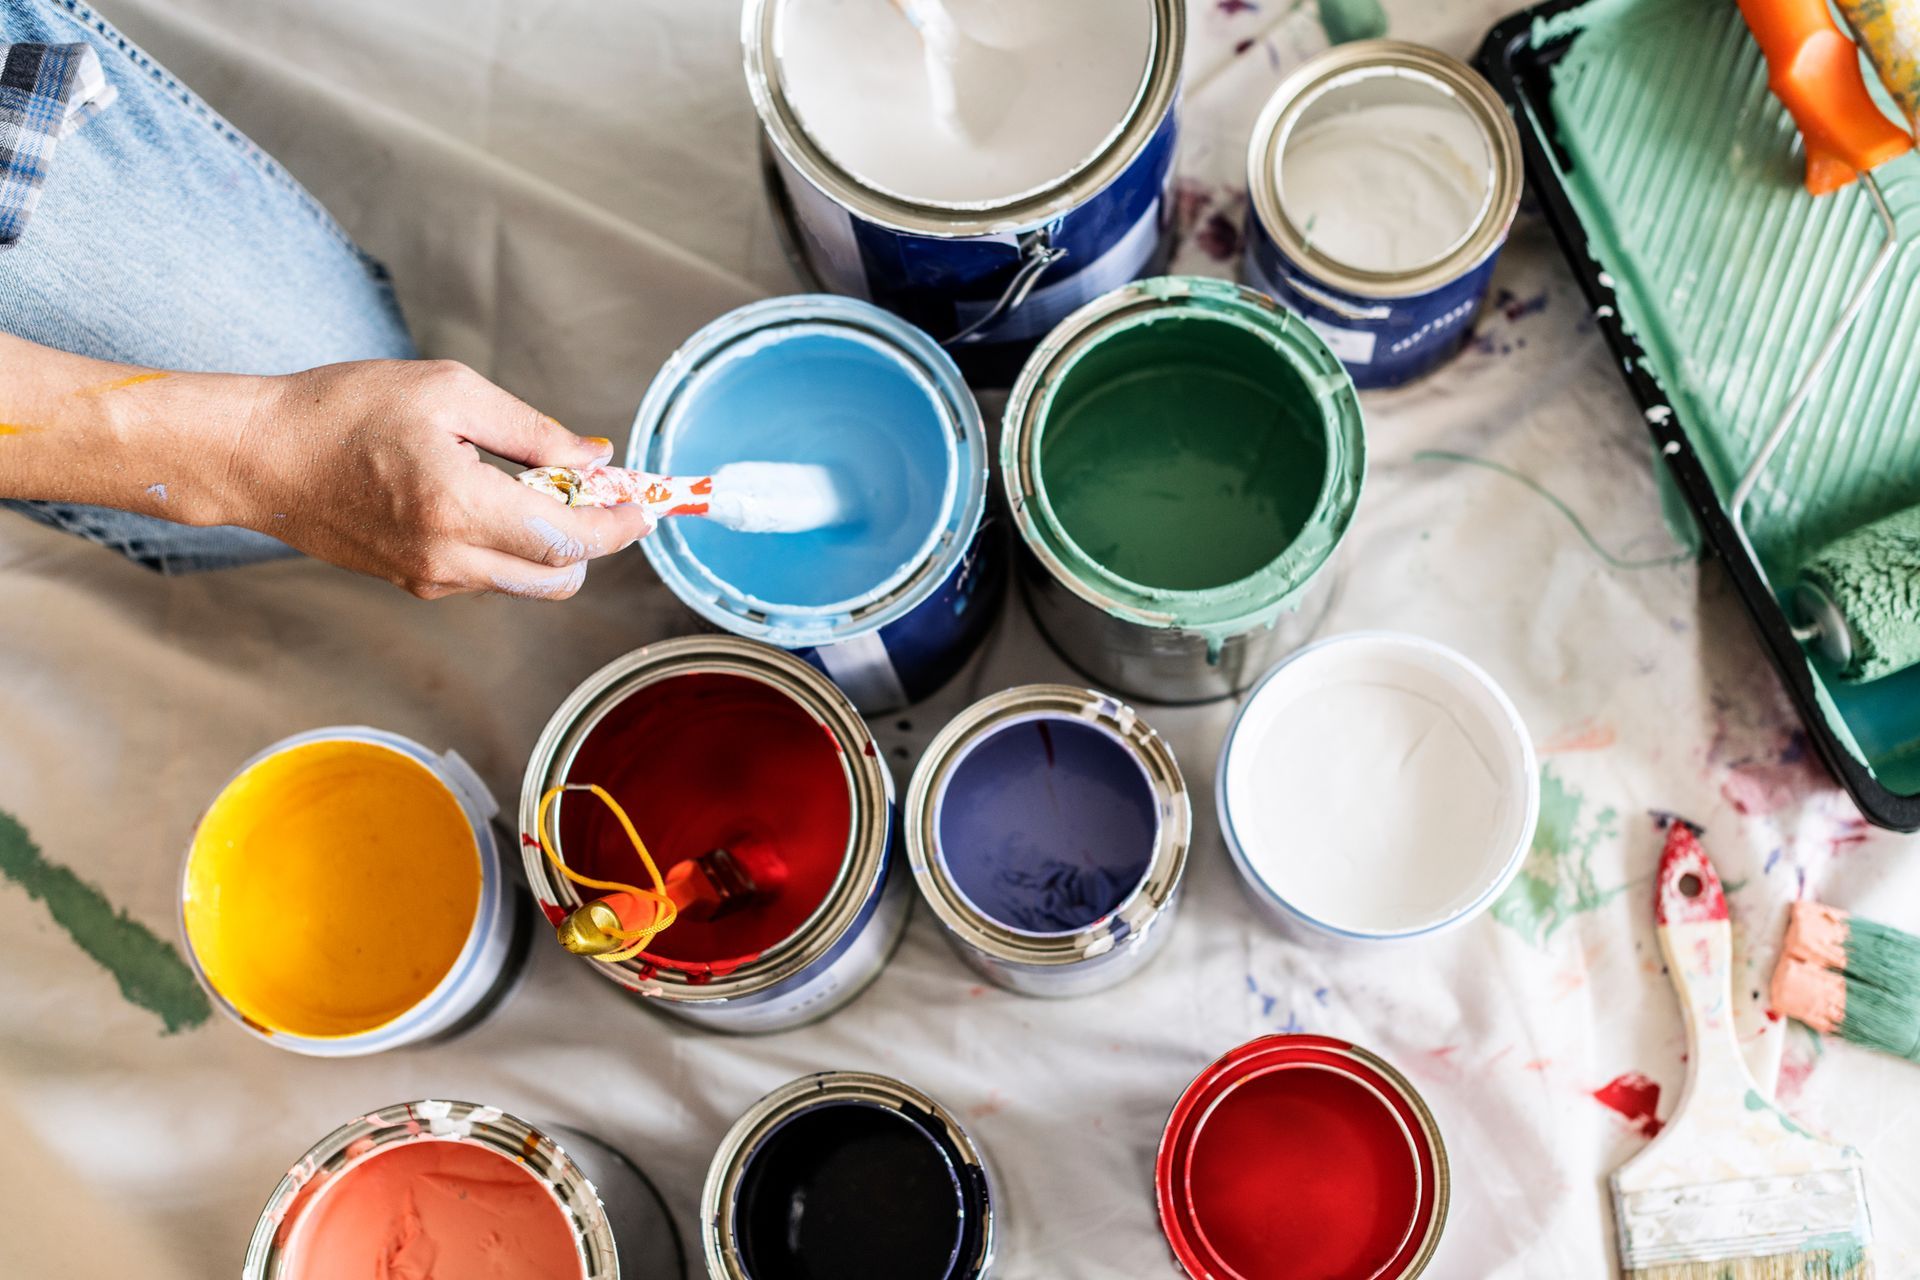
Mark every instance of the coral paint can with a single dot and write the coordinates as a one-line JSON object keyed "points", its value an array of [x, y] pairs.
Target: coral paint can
{"points": [[484, 953], [889, 1182], [1300, 1155], [987, 279], [602, 1218], [891, 604], [710, 742], [1391, 318], [1182, 459], [1048, 829]]}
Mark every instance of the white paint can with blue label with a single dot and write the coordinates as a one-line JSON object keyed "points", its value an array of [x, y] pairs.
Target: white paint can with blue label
{"points": [[1382, 178], [981, 168]]}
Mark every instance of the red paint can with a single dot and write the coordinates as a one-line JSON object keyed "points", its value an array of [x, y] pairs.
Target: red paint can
{"points": [[1298, 1157]]}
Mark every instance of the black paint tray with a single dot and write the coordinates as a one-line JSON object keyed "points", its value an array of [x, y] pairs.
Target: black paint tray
{"points": [[1842, 474]]}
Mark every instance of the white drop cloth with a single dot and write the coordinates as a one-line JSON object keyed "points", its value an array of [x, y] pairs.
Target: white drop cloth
{"points": [[565, 190]]}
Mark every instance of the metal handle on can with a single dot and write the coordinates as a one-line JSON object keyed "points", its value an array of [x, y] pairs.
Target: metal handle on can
{"points": [[1038, 253]]}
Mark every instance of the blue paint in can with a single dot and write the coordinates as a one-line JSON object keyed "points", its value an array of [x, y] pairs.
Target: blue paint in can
{"points": [[1046, 825], [889, 605]]}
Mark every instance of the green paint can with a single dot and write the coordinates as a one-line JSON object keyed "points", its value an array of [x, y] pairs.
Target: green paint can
{"points": [[1182, 458]]}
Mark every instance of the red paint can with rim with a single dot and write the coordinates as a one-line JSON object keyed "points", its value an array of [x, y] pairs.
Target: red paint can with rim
{"points": [[1302, 1158]]}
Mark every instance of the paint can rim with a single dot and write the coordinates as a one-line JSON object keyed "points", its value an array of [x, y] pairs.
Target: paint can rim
{"points": [[1258, 1057], [492, 909], [1344, 65], [732, 610], [870, 795], [720, 1191], [1156, 98], [1141, 910], [1233, 606], [1505, 720], [354, 1143]]}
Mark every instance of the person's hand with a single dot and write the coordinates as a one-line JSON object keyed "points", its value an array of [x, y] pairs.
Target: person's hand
{"points": [[373, 466]]}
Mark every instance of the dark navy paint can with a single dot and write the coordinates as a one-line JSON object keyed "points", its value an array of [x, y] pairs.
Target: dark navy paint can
{"points": [[987, 281], [845, 1173], [1388, 321]]}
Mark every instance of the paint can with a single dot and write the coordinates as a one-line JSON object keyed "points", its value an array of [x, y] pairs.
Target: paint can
{"points": [[1302, 1155], [891, 1185], [1048, 829], [331, 812], [987, 277], [890, 605], [573, 1208], [1425, 153], [1182, 459], [1377, 786], [710, 742]]}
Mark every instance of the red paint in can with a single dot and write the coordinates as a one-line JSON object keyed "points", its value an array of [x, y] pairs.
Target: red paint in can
{"points": [[1301, 1158]]}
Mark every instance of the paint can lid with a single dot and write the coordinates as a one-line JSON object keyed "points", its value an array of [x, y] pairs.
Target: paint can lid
{"points": [[1298, 1154]]}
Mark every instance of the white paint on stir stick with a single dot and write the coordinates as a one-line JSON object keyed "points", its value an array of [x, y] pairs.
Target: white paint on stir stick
{"points": [[962, 102], [1387, 187]]}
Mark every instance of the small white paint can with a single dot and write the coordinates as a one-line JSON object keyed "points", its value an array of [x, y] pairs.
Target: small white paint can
{"points": [[1048, 829], [580, 1206], [1377, 786]]}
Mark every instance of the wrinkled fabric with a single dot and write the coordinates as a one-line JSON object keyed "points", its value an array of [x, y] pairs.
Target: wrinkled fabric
{"points": [[564, 192]]}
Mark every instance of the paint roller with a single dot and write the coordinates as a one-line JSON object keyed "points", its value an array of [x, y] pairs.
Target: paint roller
{"points": [[1857, 599], [747, 497]]}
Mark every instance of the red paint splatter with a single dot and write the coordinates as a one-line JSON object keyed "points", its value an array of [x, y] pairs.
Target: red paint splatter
{"points": [[1588, 735], [1635, 1097], [528, 842], [1444, 1051], [976, 991], [1538, 1064], [554, 913], [1241, 46], [1689, 889], [1218, 237]]}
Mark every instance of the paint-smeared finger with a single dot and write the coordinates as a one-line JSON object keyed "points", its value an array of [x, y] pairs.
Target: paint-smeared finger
{"points": [[507, 575], [534, 527]]}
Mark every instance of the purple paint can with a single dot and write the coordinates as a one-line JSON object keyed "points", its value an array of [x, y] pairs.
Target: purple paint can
{"points": [[1048, 827], [1383, 177]]}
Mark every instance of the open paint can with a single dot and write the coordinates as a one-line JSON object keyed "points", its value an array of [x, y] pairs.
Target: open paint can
{"points": [[849, 1174], [1301, 1156], [453, 1189], [346, 893], [1383, 178], [1048, 829], [890, 604], [1377, 786], [987, 211], [717, 743], [1182, 458]]}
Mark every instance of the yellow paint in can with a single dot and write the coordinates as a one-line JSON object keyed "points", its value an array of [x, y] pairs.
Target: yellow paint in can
{"points": [[330, 888]]}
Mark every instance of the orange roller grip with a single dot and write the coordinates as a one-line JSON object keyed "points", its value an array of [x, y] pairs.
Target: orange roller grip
{"points": [[1814, 69]]}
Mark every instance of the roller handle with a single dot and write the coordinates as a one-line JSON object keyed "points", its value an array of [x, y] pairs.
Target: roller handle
{"points": [[1814, 69]]}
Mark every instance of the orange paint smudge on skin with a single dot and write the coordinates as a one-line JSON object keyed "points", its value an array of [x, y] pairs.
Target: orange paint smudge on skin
{"points": [[121, 384]]}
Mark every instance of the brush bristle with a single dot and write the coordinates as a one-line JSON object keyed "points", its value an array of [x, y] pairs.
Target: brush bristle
{"points": [[1851, 1263], [1883, 956], [1881, 1019]]}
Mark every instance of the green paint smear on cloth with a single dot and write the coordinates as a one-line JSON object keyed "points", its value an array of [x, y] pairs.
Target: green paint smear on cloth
{"points": [[149, 970], [1556, 882]]}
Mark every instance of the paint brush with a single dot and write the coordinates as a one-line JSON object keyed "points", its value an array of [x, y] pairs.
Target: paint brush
{"points": [[1846, 976], [747, 497], [747, 873], [1733, 1188], [972, 83]]}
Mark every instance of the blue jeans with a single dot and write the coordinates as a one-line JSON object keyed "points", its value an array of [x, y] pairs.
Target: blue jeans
{"points": [[164, 237]]}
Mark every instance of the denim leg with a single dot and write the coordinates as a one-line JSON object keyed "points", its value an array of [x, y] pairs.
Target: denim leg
{"points": [[165, 237]]}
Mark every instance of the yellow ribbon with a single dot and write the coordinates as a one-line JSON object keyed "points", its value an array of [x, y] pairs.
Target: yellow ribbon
{"points": [[664, 910]]}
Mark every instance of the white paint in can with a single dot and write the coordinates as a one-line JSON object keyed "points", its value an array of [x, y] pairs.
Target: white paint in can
{"points": [[1010, 99]]}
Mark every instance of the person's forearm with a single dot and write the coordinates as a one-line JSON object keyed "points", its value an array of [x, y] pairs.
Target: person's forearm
{"points": [[78, 430]]}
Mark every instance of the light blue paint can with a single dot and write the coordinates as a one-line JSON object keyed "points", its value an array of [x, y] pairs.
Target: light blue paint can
{"points": [[891, 604]]}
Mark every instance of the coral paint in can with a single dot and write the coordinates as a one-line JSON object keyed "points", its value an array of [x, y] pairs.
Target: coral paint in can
{"points": [[1182, 459], [714, 742], [1298, 1155], [987, 237], [1383, 178], [890, 603], [1048, 829], [442, 1187], [344, 894], [846, 1173]]}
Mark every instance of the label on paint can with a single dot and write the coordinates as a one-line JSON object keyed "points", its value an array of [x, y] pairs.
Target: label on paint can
{"points": [[1350, 346]]}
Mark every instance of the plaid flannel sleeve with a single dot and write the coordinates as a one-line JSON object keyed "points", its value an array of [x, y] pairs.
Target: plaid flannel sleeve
{"points": [[46, 92]]}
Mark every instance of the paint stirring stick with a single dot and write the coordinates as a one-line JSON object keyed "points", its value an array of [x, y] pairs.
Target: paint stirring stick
{"points": [[747, 497], [972, 83]]}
